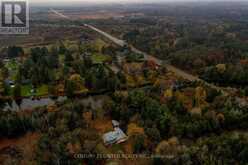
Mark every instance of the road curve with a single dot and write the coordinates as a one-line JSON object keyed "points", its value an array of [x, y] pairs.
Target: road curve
{"points": [[122, 43], [147, 56], [171, 68]]}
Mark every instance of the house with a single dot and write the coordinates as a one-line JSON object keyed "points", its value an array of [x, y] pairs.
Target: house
{"points": [[115, 124], [114, 137], [10, 83]]}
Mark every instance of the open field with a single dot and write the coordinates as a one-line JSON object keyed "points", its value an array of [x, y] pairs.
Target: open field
{"points": [[100, 15], [90, 14], [43, 35], [99, 58], [26, 91]]}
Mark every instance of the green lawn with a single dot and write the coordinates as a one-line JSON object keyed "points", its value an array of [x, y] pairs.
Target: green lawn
{"points": [[99, 44], [61, 58], [100, 58], [25, 90], [40, 91], [11, 65]]}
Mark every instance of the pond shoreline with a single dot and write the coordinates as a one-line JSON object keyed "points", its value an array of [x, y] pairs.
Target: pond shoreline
{"points": [[25, 103], [86, 94]]}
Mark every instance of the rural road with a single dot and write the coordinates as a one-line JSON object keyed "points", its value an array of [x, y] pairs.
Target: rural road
{"points": [[147, 57], [171, 68], [59, 14]]}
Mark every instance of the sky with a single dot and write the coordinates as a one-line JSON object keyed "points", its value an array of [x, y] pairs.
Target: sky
{"points": [[113, 1], [90, 2]]}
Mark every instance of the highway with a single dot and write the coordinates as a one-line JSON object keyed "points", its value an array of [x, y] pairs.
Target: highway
{"points": [[147, 56], [59, 14], [113, 39], [171, 68]]}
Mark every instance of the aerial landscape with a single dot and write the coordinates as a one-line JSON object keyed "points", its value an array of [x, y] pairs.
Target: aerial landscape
{"points": [[125, 82]]}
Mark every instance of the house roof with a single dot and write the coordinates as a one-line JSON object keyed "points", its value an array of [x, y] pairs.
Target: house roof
{"points": [[115, 123], [114, 136], [9, 82]]}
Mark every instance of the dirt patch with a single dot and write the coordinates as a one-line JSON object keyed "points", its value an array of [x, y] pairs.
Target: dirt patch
{"points": [[19, 150], [102, 125]]}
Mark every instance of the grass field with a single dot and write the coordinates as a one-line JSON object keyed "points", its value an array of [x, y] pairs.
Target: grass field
{"points": [[61, 58], [12, 66], [100, 58], [40, 91]]}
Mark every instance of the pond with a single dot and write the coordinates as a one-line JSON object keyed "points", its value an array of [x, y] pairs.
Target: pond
{"points": [[29, 103], [93, 102]]}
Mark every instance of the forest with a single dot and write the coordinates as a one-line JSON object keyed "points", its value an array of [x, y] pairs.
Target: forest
{"points": [[176, 92]]}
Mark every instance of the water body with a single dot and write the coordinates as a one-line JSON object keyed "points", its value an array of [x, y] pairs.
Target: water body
{"points": [[93, 102], [29, 103]]}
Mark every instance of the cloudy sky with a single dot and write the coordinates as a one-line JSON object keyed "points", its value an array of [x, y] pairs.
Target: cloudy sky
{"points": [[111, 1], [88, 2]]}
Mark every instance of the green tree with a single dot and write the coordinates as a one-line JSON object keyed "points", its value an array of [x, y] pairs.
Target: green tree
{"points": [[121, 77], [136, 99], [68, 58], [15, 51], [70, 88], [153, 134], [17, 91], [62, 48], [152, 110], [139, 144]]}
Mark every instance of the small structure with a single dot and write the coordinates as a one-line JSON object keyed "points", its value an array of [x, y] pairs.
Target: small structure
{"points": [[9, 82], [115, 124], [115, 137]]}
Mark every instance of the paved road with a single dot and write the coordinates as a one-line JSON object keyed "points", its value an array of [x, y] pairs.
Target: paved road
{"points": [[119, 42], [147, 56], [113, 39], [59, 14], [171, 68], [158, 61]]}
